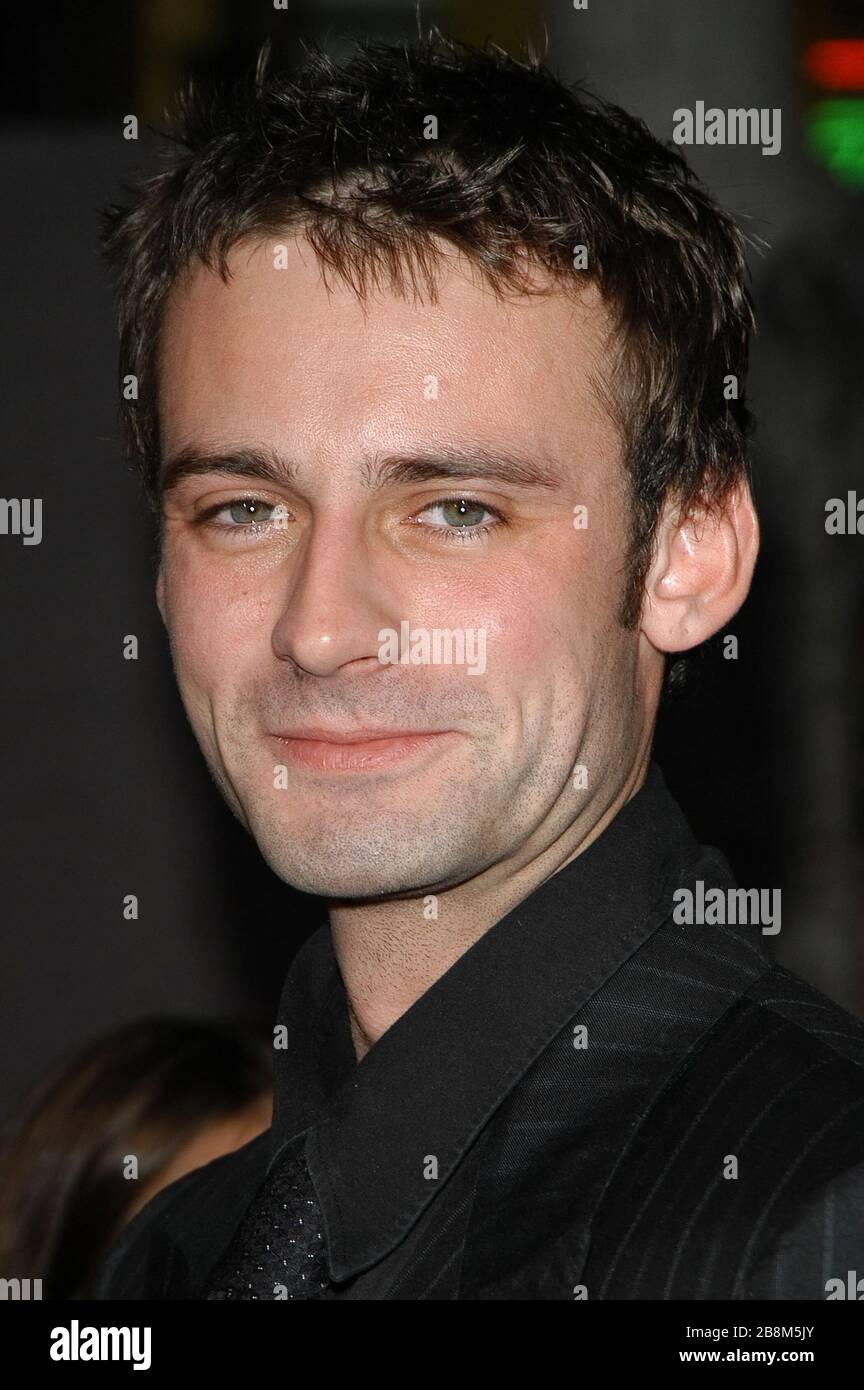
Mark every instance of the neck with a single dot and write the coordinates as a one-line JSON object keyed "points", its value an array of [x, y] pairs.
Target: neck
{"points": [[391, 951]]}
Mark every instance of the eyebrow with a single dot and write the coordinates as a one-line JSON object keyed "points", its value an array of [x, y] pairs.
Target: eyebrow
{"points": [[269, 466]]}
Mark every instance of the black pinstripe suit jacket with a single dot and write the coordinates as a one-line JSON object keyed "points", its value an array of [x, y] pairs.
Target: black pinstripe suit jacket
{"points": [[598, 1100]]}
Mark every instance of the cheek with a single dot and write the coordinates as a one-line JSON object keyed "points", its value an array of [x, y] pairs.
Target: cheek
{"points": [[532, 620], [556, 626], [217, 629], [547, 609], [520, 650]]}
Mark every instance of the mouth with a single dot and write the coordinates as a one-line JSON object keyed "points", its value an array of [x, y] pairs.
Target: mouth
{"points": [[360, 750]]}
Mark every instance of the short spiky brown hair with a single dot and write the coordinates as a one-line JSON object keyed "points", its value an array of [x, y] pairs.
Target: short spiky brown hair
{"points": [[522, 171]]}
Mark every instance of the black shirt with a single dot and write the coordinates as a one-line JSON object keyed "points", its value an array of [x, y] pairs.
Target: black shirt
{"points": [[594, 1101]]}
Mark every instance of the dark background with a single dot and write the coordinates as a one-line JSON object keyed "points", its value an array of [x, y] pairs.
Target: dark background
{"points": [[105, 792]]}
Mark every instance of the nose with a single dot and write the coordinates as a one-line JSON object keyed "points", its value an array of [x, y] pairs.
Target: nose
{"points": [[334, 603]]}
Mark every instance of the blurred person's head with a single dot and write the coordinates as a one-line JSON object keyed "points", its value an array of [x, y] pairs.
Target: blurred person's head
{"points": [[429, 340], [167, 1094]]}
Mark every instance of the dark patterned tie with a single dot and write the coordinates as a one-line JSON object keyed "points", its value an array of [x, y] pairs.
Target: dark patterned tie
{"points": [[279, 1249]]}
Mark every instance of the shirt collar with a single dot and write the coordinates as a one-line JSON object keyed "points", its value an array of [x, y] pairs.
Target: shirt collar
{"points": [[434, 1078]]}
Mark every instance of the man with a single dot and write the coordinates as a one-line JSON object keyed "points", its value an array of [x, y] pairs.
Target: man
{"points": [[441, 396]]}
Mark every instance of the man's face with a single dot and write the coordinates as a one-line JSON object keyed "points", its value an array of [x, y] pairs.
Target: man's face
{"points": [[279, 592]]}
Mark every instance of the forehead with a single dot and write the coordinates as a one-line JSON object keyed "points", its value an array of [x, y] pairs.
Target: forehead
{"points": [[280, 355]]}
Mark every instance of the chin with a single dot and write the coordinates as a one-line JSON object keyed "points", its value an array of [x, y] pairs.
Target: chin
{"points": [[326, 870]]}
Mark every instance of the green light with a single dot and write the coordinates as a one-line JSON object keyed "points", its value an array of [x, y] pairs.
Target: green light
{"points": [[834, 132]]}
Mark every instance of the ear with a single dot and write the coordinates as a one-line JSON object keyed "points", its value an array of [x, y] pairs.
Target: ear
{"points": [[701, 572]]}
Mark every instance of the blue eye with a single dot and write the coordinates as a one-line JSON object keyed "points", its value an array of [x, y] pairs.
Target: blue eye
{"points": [[459, 519], [462, 517], [248, 509], [245, 515]]}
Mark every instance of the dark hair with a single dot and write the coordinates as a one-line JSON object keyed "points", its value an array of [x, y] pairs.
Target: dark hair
{"points": [[145, 1089], [523, 171]]}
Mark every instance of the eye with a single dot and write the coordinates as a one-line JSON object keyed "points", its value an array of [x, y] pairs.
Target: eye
{"points": [[244, 514], [458, 518]]}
